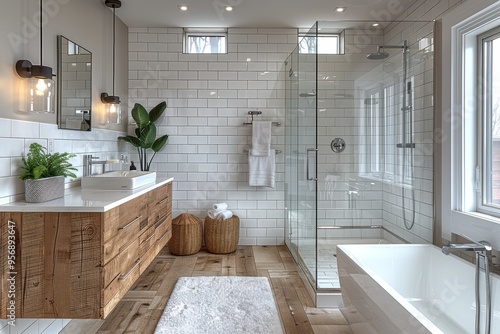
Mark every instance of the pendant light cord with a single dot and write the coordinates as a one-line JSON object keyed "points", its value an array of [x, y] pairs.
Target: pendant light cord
{"points": [[41, 33], [114, 42]]}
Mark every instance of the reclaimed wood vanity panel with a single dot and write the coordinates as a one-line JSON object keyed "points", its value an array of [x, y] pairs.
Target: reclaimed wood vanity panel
{"points": [[57, 264], [73, 271], [79, 265]]}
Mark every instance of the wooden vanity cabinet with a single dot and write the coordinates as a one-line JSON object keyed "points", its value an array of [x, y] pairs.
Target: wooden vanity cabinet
{"points": [[79, 265]]}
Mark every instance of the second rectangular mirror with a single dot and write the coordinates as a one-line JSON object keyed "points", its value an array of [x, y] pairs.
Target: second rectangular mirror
{"points": [[74, 86]]}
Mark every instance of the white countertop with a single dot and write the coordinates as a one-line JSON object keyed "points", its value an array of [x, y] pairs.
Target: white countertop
{"points": [[84, 200]]}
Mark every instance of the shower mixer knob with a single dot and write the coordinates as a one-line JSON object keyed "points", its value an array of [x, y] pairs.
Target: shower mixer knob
{"points": [[338, 145]]}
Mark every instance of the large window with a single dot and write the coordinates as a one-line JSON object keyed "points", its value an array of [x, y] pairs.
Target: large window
{"points": [[465, 132], [205, 41], [488, 151]]}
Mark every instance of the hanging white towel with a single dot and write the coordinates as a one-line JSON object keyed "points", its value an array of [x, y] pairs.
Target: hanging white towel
{"points": [[261, 138], [261, 170]]}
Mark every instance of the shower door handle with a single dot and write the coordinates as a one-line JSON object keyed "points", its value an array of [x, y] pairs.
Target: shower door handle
{"points": [[307, 164]]}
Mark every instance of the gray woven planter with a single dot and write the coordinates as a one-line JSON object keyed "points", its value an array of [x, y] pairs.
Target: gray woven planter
{"points": [[43, 190]]}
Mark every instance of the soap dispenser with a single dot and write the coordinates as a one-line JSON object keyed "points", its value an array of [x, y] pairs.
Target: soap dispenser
{"points": [[132, 166]]}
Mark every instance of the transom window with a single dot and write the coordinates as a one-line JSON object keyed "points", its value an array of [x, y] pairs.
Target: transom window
{"points": [[211, 41], [325, 43]]}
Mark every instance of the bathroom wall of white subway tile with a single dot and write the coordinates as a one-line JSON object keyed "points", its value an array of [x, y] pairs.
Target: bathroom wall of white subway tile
{"points": [[345, 198], [420, 40], [362, 185], [16, 136], [208, 99]]}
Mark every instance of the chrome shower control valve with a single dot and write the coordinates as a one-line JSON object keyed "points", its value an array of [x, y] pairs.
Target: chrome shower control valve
{"points": [[338, 145]]}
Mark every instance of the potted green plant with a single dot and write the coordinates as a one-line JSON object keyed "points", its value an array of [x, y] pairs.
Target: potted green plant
{"points": [[145, 133], [43, 174]]}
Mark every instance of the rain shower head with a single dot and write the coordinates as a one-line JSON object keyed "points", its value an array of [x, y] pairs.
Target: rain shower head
{"points": [[378, 55]]}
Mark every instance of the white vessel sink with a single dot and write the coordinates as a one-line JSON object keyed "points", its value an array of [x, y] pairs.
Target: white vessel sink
{"points": [[119, 180]]}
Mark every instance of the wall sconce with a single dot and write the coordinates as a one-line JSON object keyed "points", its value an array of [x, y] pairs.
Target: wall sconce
{"points": [[40, 88], [112, 102]]}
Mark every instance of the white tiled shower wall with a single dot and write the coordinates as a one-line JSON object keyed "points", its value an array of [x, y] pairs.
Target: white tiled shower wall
{"points": [[381, 202], [208, 99], [422, 71], [342, 115]]}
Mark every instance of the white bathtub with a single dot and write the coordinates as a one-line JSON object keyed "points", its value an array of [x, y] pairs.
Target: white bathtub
{"points": [[411, 289]]}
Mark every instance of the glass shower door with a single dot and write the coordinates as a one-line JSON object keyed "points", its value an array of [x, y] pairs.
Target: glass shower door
{"points": [[301, 154], [307, 154], [291, 149]]}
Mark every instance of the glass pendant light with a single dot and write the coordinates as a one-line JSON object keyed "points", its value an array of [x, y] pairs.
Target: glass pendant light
{"points": [[112, 102], [39, 90]]}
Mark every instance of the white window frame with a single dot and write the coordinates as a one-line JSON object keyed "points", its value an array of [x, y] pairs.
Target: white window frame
{"points": [[203, 32], [321, 37], [482, 162], [457, 123]]}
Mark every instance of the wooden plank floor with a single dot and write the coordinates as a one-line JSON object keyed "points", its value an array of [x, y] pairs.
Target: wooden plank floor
{"points": [[142, 306]]}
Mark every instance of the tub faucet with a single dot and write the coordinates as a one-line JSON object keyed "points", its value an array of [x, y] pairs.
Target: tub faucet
{"points": [[481, 246]]}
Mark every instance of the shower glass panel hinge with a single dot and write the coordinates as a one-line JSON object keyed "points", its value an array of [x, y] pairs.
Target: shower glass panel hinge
{"points": [[407, 145], [477, 181]]}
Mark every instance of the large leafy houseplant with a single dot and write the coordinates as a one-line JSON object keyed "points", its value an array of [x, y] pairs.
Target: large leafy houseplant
{"points": [[39, 164], [145, 133]]}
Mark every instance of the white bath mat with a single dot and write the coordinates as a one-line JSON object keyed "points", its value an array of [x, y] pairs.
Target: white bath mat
{"points": [[220, 305]]}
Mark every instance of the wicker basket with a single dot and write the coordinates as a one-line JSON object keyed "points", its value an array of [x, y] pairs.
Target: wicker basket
{"points": [[186, 235], [221, 236], [43, 190]]}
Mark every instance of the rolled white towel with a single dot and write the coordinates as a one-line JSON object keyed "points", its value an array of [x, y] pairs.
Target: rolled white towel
{"points": [[213, 214], [220, 206], [223, 215]]}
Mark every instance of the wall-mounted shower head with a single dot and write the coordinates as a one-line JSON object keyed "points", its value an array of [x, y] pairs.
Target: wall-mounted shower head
{"points": [[379, 55], [311, 94]]}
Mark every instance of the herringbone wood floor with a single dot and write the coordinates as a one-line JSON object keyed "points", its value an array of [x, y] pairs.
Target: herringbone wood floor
{"points": [[142, 306]]}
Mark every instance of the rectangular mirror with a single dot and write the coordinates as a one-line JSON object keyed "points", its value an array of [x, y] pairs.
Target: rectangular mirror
{"points": [[74, 86]]}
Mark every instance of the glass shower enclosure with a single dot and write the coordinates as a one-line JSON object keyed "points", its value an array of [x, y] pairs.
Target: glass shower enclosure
{"points": [[358, 128]]}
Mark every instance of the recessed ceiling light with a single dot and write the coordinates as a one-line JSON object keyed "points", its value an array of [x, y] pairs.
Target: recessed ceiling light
{"points": [[340, 9], [183, 7], [229, 9], [375, 25]]}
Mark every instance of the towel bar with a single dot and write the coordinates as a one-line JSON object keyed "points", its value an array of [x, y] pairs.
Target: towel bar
{"points": [[272, 123], [275, 151], [255, 112]]}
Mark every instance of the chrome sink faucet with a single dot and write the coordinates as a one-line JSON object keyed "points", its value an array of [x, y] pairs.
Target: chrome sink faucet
{"points": [[88, 161]]}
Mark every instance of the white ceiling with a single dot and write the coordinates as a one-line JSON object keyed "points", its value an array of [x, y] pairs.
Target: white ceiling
{"points": [[254, 13]]}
